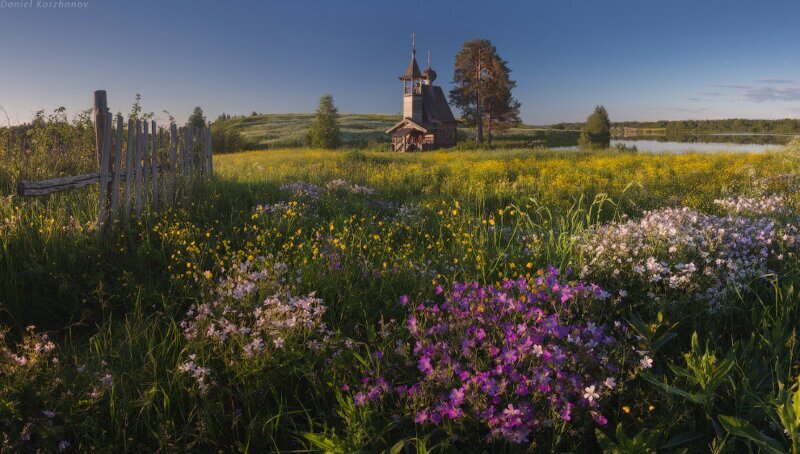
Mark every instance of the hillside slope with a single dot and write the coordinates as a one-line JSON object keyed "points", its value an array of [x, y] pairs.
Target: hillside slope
{"points": [[369, 131], [290, 130]]}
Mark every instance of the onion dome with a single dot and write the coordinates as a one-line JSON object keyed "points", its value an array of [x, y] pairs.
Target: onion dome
{"points": [[429, 74]]}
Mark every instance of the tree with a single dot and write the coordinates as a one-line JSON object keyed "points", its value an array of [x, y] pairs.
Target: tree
{"points": [[501, 109], [483, 88], [596, 133], [324, 131], [197, 119]]}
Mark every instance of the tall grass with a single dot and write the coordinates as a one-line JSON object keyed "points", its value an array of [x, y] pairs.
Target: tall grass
{"points": [[114, 304]]}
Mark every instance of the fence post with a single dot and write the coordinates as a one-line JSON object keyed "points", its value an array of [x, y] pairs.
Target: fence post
{"points": [[198, 143], [173, 161], [146, 163], [199, 164], [185, 157], [162, 157], [201, 151], [154, 162], [209, 153], [116, 180], [130, 152], [190, 149], [102, 130], [138, 166]]}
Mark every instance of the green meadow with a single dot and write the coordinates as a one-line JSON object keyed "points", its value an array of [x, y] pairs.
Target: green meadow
{"points": [[368, 131], [293, 302]]}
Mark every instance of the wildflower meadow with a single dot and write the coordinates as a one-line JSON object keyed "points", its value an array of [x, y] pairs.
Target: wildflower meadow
{"points": [[452, 301]]}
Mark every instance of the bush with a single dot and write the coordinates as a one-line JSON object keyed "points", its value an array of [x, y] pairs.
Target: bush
{"points": [[226, 140], [49, 146], [596, 133]]}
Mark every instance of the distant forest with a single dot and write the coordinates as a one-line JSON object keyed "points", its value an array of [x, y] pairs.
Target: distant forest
{"points": [[687, 127]]}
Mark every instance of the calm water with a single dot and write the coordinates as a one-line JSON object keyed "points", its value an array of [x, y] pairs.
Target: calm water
{"points": [[700, 147], [657, 146]]}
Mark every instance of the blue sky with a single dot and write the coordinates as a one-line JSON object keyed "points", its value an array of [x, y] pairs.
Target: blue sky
{"points": [[642, 59]]}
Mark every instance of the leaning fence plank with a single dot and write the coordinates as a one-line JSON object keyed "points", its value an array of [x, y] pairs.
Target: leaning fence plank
{"points": [[198, 142], [201, 154], [154, 163], [187, 132], [26, 188], [190, 150], [181, 152], [209, 153], [103, 140], [107, 171], [198, 159], [137, 194], [130, 152], [146, 163], [162, 156], [190, 147], [117, 170], [173, 161], [185, 155], [206, 145]]}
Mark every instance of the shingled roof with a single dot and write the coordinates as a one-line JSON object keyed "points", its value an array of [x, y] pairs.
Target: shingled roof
{"points": [[434, 105], [412, 72]]}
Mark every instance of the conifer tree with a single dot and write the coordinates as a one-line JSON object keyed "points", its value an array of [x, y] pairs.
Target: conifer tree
{"points": [[483, 88], [324, 131]]}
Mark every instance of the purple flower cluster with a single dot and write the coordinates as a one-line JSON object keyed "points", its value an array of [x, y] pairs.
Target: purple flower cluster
{"points": [[513, 358]]}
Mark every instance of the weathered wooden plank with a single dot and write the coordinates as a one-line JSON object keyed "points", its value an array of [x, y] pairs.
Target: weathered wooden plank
{"points": [[206, 145], [130, 152], [146, 163], [103, 131], [198, 142], [209, 153], [198, 159], [171, 157], [162, 156], [200, 164], [190, 148], [137, 194], [181, 152], [154, 164], [31, 188], [100, 103], [116, 171], [185, 155], [27, 188]]}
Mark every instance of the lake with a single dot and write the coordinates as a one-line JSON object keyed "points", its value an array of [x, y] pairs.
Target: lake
{"points": [[734, 142], [700, 147]]}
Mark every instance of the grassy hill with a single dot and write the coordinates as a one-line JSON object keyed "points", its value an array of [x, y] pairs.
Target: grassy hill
{"points": [[290, 130], [369, 131]]}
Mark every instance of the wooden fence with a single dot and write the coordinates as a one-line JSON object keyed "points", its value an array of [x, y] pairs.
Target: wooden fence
{"points": [[154, 168]]}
